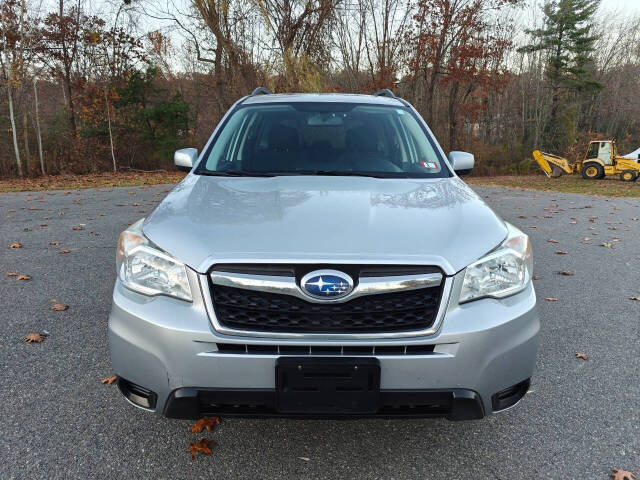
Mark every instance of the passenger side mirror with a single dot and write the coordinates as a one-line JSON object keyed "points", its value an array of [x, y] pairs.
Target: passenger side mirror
{"points": [[462, 162], [185, 158]]}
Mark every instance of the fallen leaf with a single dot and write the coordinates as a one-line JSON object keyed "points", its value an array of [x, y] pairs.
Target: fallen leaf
{"points": [[24, 277], [550, 299], [586, 239], [617, 474], [78, 227], [561, 252], [109, 380], [533, 226], [203, 446], [205, 422], [55, 244], [522, 216], [607, 244], [12, 274], [637, 299], [306, 459], [553, 240], [64, 250], [566, 273], [59, 307], [536, 277], [592, 219], [15, 245], [33, 338], [583, 356]]}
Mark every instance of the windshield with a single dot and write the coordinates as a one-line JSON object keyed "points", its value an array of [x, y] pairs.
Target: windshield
{"points": [[323, 139]]}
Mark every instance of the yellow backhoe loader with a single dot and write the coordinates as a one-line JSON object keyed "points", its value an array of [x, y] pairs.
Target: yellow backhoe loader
{"points": [[601, 159]]}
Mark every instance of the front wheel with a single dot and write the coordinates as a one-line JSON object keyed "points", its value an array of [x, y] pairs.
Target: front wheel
{"points": [[592, 171], [628, 176]]}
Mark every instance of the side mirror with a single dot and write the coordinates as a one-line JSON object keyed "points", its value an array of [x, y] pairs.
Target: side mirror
{"points": [[462, 162], [185, 158]]}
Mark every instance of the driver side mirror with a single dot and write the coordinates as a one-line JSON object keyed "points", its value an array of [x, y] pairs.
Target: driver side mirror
{"points": [[462, 162], [185, 158]]}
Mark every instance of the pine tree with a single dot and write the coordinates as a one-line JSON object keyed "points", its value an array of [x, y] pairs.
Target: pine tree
{"points": [[569, 46]]}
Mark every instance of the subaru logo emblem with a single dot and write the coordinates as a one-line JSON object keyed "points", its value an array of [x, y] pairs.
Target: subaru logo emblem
{"points": [[326, 284]]}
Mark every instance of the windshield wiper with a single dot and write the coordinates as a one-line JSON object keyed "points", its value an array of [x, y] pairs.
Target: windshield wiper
{"points": [[235, 173]]}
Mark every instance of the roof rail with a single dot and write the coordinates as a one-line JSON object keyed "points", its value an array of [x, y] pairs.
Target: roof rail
{"points": [[385, 92], [260, 91]]}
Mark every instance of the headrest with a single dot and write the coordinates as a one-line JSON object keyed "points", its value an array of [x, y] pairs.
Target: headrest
{"points": [[360, 140], [282, 137]]}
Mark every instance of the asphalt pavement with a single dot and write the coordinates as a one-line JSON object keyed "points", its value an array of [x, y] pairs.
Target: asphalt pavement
{"points": [[580, 419]]}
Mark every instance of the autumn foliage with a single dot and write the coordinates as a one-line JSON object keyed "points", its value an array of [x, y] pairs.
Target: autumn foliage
{"points": [[87, 93]]}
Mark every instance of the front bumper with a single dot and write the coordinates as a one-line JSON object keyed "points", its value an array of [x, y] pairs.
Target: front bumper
{"points": [[170, 348]]}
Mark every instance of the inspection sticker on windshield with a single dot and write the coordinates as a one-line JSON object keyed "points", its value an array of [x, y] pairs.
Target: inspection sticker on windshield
{"points": [[428, 164]]}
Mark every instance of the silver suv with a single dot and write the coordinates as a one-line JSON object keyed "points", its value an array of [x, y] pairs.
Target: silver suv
{"points": [[322, 258]]}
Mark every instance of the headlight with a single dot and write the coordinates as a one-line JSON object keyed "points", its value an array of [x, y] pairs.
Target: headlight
{"points": [[146, 269], [505, 271]]}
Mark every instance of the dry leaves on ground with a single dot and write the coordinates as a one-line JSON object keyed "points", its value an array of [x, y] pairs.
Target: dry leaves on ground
{"points": [[109, 380], [55, 244], [15, 245], [203, 446], [33, 338], [59, 307], [23, 277], [617, 474], [562, 252], [553, 240], [64, 250], [607, 245], [536, 277], [550, 299], [637, 299], [205, 422], [581, 355], [566, 273]]}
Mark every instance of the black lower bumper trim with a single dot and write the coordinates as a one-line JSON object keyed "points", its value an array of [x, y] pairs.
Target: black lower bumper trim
{"points": [[193, 403]]}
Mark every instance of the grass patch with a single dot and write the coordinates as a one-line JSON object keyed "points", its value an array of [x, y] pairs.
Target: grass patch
{"points": [[93, 180], [608, 187]]}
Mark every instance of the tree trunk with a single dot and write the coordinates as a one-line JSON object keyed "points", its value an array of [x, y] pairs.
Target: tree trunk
{"points": [[453, 121], [27, 150], [35, 97], [113, 157], [13, 130]]}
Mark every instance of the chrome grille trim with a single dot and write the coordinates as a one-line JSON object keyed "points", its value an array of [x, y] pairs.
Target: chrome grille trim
{"points": [[289, 286], [442, 308]]}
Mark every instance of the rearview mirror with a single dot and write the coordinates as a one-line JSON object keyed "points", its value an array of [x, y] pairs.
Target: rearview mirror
{"points": [[185, 158], [462, 162]]}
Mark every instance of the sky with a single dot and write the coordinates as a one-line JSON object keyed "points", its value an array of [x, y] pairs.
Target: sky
{"points": [[622, 4]]}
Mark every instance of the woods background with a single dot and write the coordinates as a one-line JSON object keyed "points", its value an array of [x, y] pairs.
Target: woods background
{"points": [[122, 84]]}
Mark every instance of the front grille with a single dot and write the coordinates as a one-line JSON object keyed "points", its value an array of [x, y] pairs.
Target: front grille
{"points": [[244, 309]]}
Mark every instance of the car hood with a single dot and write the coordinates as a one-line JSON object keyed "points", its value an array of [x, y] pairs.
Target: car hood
{"points": [[324, 219]]}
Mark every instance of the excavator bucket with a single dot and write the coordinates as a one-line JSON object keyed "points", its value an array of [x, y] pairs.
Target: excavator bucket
{"points": [[552, 165]]}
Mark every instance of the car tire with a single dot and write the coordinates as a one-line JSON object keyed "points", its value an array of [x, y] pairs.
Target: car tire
{"points": [[628, 176], [592, 171]]}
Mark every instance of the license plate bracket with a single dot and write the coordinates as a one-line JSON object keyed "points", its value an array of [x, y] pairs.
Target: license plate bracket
{"points": [[328, 385]]}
